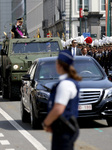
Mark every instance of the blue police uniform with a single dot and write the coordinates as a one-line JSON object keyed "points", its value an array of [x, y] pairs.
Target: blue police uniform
{"points": [[64, 141]]}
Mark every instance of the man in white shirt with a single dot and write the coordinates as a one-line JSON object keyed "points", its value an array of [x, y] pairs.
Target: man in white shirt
{"points": [[74, 50]]}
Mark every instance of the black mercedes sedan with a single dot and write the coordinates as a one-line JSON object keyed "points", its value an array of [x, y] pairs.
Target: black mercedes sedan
{"points": [[95, 90]]}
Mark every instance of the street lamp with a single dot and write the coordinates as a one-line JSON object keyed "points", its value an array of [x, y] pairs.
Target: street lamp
{"points": [[85, 16], [64, 18]]}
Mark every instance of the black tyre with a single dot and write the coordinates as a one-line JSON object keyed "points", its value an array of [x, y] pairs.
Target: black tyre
{"points": [[109, 121], [14, 90], [5, 93], [34, 121], [25, 116]]}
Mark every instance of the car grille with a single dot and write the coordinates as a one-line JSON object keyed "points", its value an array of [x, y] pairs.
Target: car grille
{"points": [[90, 95]]}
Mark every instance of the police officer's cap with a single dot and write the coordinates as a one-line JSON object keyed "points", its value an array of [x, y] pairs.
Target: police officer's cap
{"points": [[20, 19], [66, 56]]}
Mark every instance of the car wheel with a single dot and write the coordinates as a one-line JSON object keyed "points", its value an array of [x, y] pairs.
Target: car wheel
{"points": [[34, 120], [25, 116], [109, 121]]}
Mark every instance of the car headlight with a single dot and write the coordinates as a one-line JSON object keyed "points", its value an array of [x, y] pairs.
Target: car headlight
{"points": [[43, 94], [15, 67], [108, 93]]}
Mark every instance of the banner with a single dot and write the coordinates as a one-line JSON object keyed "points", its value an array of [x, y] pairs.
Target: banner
{"points": [[81, 13]]}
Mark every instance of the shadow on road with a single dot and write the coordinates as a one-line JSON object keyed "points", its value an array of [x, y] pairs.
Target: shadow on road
{"points": [[89, 123]]}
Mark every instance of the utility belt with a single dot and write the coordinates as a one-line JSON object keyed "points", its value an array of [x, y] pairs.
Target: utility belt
{"points": [[62, 125]]}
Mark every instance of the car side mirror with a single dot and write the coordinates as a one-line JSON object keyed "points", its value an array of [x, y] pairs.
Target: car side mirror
{"points": [[26, 77], [3, 52]]}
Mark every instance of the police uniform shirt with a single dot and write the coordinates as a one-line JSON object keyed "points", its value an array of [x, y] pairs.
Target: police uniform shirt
{"points": [[66, 90]]}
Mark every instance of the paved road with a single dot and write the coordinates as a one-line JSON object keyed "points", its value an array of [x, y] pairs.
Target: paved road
{"points": [[15, 135]]}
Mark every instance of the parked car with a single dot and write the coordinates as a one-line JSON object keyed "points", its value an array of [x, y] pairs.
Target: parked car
{"points": [[95, 90]]}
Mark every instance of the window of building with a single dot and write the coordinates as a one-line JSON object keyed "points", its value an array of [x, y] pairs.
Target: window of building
{"points": [[82, 4], [102, 31], [102, 5]]}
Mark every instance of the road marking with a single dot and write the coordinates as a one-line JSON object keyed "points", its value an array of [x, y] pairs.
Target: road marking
{"points": [[4, 142], [26, 134], [1, 135], [98, 130]]}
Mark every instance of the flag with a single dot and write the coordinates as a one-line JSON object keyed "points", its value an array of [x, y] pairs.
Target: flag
{"points": [[58, 34], [50, 34], [38, 34], [63, 35]]}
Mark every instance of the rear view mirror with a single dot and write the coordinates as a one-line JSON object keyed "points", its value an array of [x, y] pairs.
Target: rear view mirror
{"points": [[26, 77]]}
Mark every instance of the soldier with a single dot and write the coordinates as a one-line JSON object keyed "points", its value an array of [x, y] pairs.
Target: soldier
{"points": [[17, 29]]}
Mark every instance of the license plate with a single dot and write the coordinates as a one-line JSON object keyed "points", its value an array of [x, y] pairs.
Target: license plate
{"points": [[85, 107]]}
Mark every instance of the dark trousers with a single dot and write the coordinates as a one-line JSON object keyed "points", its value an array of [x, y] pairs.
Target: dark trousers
{"points": [[63, 141]]}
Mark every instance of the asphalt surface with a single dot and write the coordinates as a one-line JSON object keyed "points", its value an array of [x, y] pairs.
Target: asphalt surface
{"points": [[15, 135]]}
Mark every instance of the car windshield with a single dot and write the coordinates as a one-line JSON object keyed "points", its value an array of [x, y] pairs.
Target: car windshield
{"points": [[87, 69], [47, 71], [35, 47]]}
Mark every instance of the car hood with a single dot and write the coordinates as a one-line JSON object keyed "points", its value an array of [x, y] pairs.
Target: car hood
{"points": [[103, 84], [99, 84], [46, 85]]}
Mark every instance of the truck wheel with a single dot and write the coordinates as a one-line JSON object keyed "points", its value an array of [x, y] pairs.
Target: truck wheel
{"points": [[14, 90], [5, 93], [109, 121], [25, 116]]}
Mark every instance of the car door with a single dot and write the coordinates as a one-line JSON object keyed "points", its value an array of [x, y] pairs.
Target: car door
{"points": [[25, 88], [29, 87]]}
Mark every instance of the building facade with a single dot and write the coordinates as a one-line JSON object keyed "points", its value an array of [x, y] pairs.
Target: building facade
{"points": [[5, 18], [94, 22], [34, 12]]}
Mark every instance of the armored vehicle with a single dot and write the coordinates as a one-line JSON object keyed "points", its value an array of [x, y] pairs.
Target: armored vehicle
{"points": [[0, 63], [17, 56]]}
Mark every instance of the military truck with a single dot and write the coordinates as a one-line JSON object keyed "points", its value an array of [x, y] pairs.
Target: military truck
{"points": [[0, 63], [16, 57]]}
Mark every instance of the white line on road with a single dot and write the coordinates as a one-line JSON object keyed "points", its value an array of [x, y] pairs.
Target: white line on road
{"points": [[1, 135], [4, 142], [26, 134]]}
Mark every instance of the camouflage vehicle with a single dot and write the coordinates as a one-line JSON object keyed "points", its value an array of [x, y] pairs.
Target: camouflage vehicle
{"points": [[16, 57], [0, 63]]}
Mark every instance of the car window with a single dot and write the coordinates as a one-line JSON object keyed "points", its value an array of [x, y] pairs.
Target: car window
{"points": [[87, 69], [47, 70], [35, 47]]}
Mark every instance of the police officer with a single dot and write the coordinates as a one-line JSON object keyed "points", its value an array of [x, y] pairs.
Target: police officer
{"points": [[63, 101], [17, 29]]}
